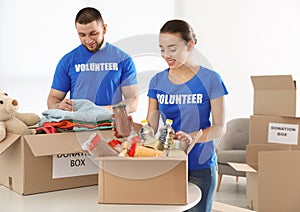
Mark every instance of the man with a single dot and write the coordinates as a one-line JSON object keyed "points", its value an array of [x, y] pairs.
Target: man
{"points": [[95, 70]]}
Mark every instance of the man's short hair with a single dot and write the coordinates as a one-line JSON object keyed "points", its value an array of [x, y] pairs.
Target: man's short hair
{"points": [[88, 15]]}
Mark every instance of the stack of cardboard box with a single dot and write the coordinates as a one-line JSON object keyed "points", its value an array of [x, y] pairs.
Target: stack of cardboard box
{"points": [[273, 149]]}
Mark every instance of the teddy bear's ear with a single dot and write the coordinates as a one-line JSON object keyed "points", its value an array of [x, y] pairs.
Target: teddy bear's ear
{"points": [[2, 92]]}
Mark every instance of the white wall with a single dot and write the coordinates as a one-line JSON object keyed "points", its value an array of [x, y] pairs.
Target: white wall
{"points": [[236, 38], [244, 38], [36, 34]]}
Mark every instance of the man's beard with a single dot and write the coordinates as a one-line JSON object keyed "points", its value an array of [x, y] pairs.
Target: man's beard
{"points": [[97, 48]]}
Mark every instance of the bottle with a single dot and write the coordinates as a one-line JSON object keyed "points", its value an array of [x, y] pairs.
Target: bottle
{"points": [[167, 135], [146, 132], [121, 121]]}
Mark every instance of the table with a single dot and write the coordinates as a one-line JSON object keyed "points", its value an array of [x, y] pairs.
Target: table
{"points": [[82, 199], [194, 196]]}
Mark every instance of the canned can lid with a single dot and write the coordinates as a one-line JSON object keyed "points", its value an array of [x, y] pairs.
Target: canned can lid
{"points": [[119, 105]]}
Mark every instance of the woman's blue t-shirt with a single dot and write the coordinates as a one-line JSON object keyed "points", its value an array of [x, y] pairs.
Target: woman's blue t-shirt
{"points": [[188, 105]]}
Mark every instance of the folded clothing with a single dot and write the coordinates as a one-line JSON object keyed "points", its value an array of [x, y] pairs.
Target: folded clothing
{"points": [[86, 111], [70, 125]]}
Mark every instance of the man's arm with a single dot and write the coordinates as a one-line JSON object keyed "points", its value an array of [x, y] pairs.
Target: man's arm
{"points": [[56, 100], [130, 94]]}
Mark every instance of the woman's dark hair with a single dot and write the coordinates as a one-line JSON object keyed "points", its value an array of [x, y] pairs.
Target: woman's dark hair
{"points": [[179, 26], [88, 15]]}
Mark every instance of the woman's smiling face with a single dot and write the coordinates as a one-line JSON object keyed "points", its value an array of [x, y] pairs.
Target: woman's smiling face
{"points": [[173, 49]]}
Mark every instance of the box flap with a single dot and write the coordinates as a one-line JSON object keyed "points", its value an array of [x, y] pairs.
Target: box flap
{"points": [[274, 95], [241, 167], [61, 143], [275, 82], [8, 141], [253, 150], [148, 166], [52, 144]]}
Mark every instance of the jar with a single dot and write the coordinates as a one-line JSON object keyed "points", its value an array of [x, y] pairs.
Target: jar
{"points": [[121, 122]]}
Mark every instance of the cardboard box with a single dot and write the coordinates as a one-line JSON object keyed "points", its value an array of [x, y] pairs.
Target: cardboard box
{"points": [[251, 183], [274, 186], [253, 150], [274, 95], [252, 189], [274, 145], [275, 130], [252, 159], [278, 181], [143, 180], [27, 162]]}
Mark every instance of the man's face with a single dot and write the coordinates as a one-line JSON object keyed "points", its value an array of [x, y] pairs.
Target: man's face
{"points": [[91, 35]]}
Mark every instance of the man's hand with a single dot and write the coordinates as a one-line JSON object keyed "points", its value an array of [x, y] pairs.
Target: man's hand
{"points": [[66, 104]]}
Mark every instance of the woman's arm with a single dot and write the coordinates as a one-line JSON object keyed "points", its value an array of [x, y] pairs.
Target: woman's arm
{"points": [[217, 129]]}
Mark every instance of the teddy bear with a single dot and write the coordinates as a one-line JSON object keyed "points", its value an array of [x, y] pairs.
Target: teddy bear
{"points": [[13, 121]]}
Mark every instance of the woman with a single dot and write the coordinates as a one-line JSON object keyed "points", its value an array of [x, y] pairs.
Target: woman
{"points": [[190, 95]]}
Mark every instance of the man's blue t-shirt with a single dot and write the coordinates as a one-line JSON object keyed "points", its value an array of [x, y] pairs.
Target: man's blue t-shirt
{"points": [[96, 76], [188, 105]]}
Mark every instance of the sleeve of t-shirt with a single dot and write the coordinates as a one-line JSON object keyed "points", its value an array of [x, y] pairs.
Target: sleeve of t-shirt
{"points": [[128, 72], [152, 88], [217, 87], [61, 80]]}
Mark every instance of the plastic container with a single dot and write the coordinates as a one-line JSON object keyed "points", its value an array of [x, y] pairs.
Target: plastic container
{"points": [[97, 147], [180, 145], [146, 132], [167, 135]]}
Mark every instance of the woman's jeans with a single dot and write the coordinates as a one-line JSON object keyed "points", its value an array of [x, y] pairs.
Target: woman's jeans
{"points": [[206, 180]]}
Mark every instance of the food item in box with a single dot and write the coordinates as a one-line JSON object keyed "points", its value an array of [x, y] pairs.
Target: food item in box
{"points": [[137, 150], [153, 143], [116, 144], [176, 153], [167, 135], [146, 132], [121, 122], [98, 147]]}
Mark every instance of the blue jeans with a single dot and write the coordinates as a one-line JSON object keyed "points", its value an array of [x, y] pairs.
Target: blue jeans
{"points": [[206, 180]]}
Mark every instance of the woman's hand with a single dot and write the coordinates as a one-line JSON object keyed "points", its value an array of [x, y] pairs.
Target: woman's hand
{"points": [[184, 137]]}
